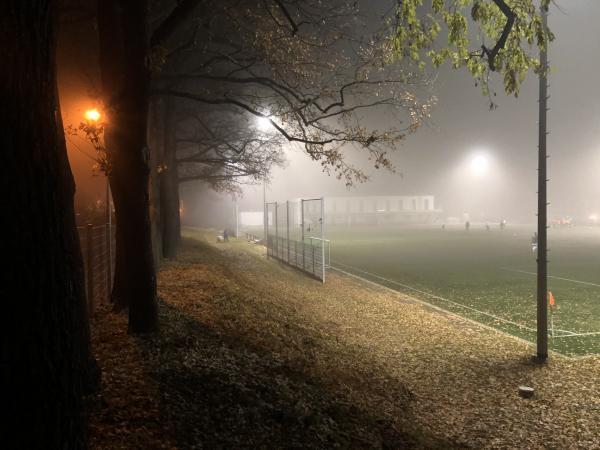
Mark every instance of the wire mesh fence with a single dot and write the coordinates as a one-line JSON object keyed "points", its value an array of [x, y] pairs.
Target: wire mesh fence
{"points": [[296, 235], [98, 251]]}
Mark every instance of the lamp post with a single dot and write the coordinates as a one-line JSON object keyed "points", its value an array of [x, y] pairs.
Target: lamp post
{"points": [[542, 261], [92, 117]]}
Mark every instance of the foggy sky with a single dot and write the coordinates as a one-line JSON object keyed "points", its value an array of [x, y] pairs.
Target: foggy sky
{"points": [[433, 160]]}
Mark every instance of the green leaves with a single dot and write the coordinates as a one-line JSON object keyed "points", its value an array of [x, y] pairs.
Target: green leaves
{"points": [[439, 32]]}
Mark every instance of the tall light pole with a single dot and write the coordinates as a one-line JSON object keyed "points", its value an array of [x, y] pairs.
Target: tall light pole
{"points": [[542, 254], [265, 218], [92, 117], [237, 220]]}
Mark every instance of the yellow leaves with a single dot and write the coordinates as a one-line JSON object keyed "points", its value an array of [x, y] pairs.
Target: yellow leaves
{"points": [[249, 347]]}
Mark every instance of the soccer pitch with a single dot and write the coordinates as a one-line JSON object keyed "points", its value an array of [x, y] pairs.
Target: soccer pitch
{"points": [[486, 276]]}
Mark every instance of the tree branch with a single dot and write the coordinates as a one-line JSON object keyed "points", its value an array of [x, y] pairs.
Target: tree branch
{"points": [[510, 20], [287, 15], [168, 26]]}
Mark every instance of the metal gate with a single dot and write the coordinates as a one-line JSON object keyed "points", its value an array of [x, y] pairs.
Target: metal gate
{"points": [[296, 235]]}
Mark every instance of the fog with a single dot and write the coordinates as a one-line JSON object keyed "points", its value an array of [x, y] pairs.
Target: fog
{"points": [[438, 159]]}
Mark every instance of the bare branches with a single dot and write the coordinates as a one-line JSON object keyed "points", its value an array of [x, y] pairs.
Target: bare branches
{"points": [[222, 148], [305, 67], [169, 26]]}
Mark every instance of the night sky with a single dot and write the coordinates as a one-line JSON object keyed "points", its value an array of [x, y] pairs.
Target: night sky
{"points": [[436, 159]]}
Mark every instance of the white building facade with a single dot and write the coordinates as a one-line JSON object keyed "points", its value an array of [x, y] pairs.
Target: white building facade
{"points": [[380, 209]]}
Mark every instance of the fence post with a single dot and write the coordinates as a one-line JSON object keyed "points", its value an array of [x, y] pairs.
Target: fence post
{"points": [[302, 225], [266, 231], [108, 241], [108, 261], [287, 222], [312, 249], [90, 269], [323, 236]]}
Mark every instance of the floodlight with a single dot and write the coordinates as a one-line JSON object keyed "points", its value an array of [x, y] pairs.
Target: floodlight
{"points": [[263, 124], [480, 165]]}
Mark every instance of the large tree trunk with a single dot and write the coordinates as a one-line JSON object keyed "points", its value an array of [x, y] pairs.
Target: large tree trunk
{"points": [[169, 190], [125, 81], [45, 350]]}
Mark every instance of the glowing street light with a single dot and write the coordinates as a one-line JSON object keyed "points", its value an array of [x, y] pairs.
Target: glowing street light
{"points": [[92, 115], [480, 165], [263, 124]]}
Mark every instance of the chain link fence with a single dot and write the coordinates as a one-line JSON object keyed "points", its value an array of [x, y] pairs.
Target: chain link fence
{"points": [[296, 235], [98, 251]]}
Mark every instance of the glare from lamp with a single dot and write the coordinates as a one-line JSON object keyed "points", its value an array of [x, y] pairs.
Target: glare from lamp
{"points": [[480, 165], [263, 124], [92, 115]]}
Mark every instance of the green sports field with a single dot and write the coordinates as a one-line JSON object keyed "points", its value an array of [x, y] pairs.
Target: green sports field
{"points": [[487, 276]]}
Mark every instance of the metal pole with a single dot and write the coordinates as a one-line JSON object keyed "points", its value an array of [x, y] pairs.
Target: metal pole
{"points": [[265, 213], [302, 225], [108, 241], [312, 250], [237, 221], [276, 233], [90, 269], [287, 223], [266, 227], [542, 261], [323, 236]]}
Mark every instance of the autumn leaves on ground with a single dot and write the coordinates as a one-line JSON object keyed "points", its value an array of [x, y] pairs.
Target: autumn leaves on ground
{"points": [[254, 354]]}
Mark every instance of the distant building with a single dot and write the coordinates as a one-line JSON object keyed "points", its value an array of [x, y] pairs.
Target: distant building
{"points": [[252, 218], [375, 210], [380, 209]]}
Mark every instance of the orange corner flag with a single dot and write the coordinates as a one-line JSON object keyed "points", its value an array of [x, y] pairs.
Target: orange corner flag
{"points": [[550, 298]]}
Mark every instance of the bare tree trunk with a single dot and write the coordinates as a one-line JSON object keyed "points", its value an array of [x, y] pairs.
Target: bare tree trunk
{"points": [[125, 81], [46, 363], [169, 190]]}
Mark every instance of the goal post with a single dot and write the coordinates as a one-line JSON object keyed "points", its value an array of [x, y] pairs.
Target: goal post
{"points": [[296, 234]]}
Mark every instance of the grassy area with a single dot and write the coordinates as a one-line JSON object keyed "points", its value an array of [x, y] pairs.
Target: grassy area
{"points": [[488, 276], [254, 354]]}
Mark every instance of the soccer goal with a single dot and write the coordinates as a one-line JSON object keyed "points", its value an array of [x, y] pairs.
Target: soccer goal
{"points": [[296, 235]]}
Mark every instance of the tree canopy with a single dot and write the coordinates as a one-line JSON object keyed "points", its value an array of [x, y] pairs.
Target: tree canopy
{"points": [[311, 69], [505, 37], [224, 148]]}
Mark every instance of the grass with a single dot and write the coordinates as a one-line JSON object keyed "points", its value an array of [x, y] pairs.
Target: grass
{"points": [[487, 276], [253, 354]]}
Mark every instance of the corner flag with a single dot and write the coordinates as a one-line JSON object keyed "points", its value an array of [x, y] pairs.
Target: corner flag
{"points": [[551, 299]]}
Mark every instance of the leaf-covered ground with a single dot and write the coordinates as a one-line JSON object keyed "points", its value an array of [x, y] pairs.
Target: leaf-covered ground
{"points": [[254, 354]]}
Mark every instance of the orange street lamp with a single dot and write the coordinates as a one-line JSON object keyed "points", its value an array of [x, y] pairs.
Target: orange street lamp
{"points": [[92, 115]]}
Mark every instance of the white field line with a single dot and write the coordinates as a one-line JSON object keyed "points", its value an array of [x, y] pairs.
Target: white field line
{"points": [[569, 333], [551, 276], [566, 333], [440, 298], [573, 334], [459, 317]]}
